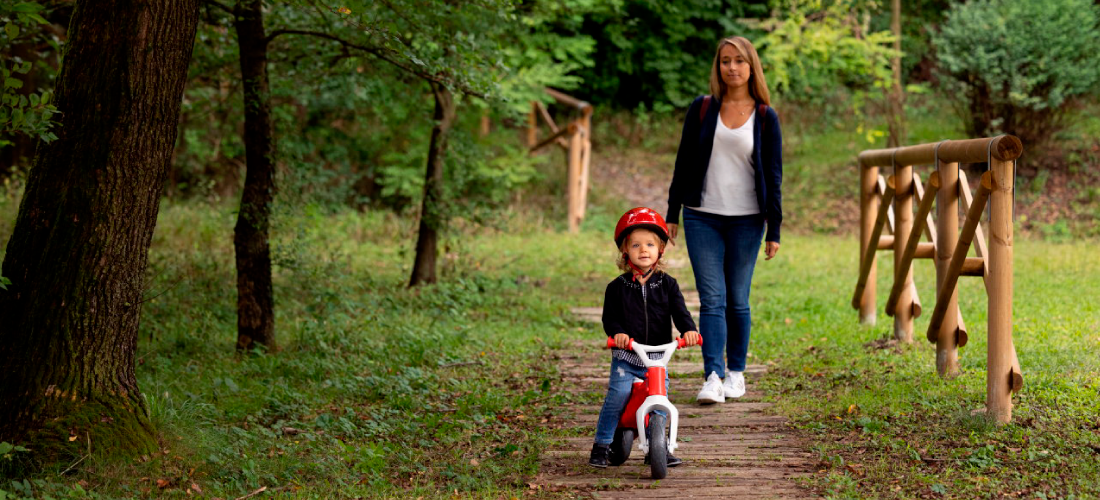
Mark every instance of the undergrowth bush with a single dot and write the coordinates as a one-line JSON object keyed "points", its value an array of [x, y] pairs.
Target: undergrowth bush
{"points": [[1016, 64]]}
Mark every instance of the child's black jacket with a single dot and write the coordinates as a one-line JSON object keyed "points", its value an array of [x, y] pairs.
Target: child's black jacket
{"points": [[645, 315]]}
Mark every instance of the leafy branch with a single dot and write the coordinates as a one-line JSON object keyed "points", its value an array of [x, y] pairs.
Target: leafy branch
{"points": [[20, 112]]}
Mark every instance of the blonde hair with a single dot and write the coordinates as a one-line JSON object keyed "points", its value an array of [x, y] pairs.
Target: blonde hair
{"points": [[758, 86], [624, 259]]}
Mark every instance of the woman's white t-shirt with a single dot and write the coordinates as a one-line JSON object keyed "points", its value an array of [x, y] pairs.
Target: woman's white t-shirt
{"points": [[730, 185]]}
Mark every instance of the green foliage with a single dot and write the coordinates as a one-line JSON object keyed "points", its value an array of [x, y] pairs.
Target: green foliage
{"points": [[816, 48], [654, 53], [353, 118], [7, 450], [544, 51], [1017, 63], [22, 111]]}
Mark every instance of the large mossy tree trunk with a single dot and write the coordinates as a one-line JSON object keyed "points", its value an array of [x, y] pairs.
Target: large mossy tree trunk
{"points": [[78, 252], [431, 213], [255, 303]]}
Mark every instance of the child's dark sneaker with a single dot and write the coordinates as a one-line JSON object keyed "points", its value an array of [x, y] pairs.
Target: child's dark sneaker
{"points": [[671, 460], [599, 456]]}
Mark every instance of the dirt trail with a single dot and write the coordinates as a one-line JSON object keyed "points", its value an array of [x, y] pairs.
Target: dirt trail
{"points": [[738, 449], [733, 450]]}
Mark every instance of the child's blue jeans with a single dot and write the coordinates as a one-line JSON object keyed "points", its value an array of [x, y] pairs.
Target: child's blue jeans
{"points": [[619, 384]]}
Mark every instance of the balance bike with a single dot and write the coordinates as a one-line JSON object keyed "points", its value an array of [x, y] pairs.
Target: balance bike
{"points": [[646, 396]]}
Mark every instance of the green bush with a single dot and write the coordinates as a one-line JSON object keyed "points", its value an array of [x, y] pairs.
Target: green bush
{"points": [[1016, 64], [814, 52]]}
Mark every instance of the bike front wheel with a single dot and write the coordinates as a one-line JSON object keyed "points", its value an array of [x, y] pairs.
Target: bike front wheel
{"points": [[658, 446]]}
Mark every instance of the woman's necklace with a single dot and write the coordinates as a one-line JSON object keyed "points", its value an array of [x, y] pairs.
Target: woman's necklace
{"points": [[736, 107]]}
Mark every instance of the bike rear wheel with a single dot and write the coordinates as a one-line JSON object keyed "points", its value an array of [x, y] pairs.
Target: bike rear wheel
{"points": [[658, 446], [620, 447]]}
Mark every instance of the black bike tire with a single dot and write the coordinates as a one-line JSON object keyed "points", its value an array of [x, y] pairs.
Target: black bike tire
{"points": [[658, 446], [620, 447]]}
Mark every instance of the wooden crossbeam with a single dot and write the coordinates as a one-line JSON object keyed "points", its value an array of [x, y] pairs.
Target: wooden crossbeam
{"points": [[929, 224], [546, 116], [951, 279], [979, 235], [570, 131], [923, 218], [869, 255]]}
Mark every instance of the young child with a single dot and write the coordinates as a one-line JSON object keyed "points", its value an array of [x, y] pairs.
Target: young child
{"points": [[641, 304]]}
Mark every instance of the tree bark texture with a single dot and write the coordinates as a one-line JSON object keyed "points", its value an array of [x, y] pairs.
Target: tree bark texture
{"points": [[78, 252], [431, 213], [255, 302]]}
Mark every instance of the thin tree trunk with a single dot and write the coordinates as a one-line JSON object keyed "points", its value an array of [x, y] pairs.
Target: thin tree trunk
{"points": [[896, 97], [431, 213], [255, 303], [78, 253]]}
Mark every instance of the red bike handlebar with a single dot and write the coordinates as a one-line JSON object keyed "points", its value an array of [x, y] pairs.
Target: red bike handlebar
{"points": [[681, 343]]}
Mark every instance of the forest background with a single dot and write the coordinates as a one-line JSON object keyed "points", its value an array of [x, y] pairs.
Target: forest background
{"points": [[356, 93]]}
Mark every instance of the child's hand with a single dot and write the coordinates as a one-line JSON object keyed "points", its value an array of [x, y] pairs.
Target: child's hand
{"points": [[621, 340], [692, 338]]}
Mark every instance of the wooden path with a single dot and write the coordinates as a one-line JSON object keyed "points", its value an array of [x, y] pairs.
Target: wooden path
{"points": [[737, 449]]}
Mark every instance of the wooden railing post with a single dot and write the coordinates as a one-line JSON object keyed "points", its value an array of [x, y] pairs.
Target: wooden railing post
{"points": [[869, 200], [913, 247], [576, 139], [947, 236], [1003, 376], [903, 225], [486, 124], [586, 158], [533, 125], [574, 182]]}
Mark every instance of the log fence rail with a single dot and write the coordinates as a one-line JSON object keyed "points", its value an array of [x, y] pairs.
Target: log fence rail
{"points": [[886, 204], [575, 138]]}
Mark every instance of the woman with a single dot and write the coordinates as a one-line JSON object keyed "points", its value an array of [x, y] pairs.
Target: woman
{"points": [[729, 169]]}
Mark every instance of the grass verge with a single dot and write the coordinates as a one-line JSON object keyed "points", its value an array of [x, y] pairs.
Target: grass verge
{"points": [[886, 426]]}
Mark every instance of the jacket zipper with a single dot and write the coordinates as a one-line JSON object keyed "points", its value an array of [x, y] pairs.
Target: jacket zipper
{"points": [[645, 312]]}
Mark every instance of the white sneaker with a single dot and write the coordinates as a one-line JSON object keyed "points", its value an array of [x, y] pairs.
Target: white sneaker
{"points": [[734, 385], [712, 390]]}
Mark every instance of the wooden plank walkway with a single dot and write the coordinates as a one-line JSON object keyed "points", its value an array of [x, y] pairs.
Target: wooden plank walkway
{"points": [[737, 449]]}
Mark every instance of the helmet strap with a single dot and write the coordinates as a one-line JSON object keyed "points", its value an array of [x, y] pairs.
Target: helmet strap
{"points": [[637, 270]]}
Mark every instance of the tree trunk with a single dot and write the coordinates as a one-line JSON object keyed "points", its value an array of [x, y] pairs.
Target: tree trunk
{"points": [[896, 97], [255, 304], [431, 213], [78, 252]]}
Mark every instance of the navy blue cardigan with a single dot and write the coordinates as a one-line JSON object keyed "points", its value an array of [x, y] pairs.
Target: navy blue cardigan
{"points": [[693, 158]]}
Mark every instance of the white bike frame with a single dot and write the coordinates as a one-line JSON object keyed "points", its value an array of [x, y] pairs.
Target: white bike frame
{"points": [[657, 399]]}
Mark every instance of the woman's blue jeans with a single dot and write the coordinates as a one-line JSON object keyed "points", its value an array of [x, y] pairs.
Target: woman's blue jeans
{"points": [[619, 385], [723, 252]]}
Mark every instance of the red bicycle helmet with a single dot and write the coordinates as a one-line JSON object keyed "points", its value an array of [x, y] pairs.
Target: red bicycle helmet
{"points": [[640, 217]]}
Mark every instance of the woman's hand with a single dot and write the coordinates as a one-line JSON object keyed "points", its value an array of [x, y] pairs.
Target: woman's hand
{"points": [[621, 340], [672, 230], [770, 249], [692, 338]]}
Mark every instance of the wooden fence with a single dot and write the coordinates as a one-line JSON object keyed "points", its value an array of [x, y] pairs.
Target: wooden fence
{"points": [[576, 139], [887, 205]]}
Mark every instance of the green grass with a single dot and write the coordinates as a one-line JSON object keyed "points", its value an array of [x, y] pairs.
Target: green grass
{"points": [[379, 391], [886, 426], [376, 391]]}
